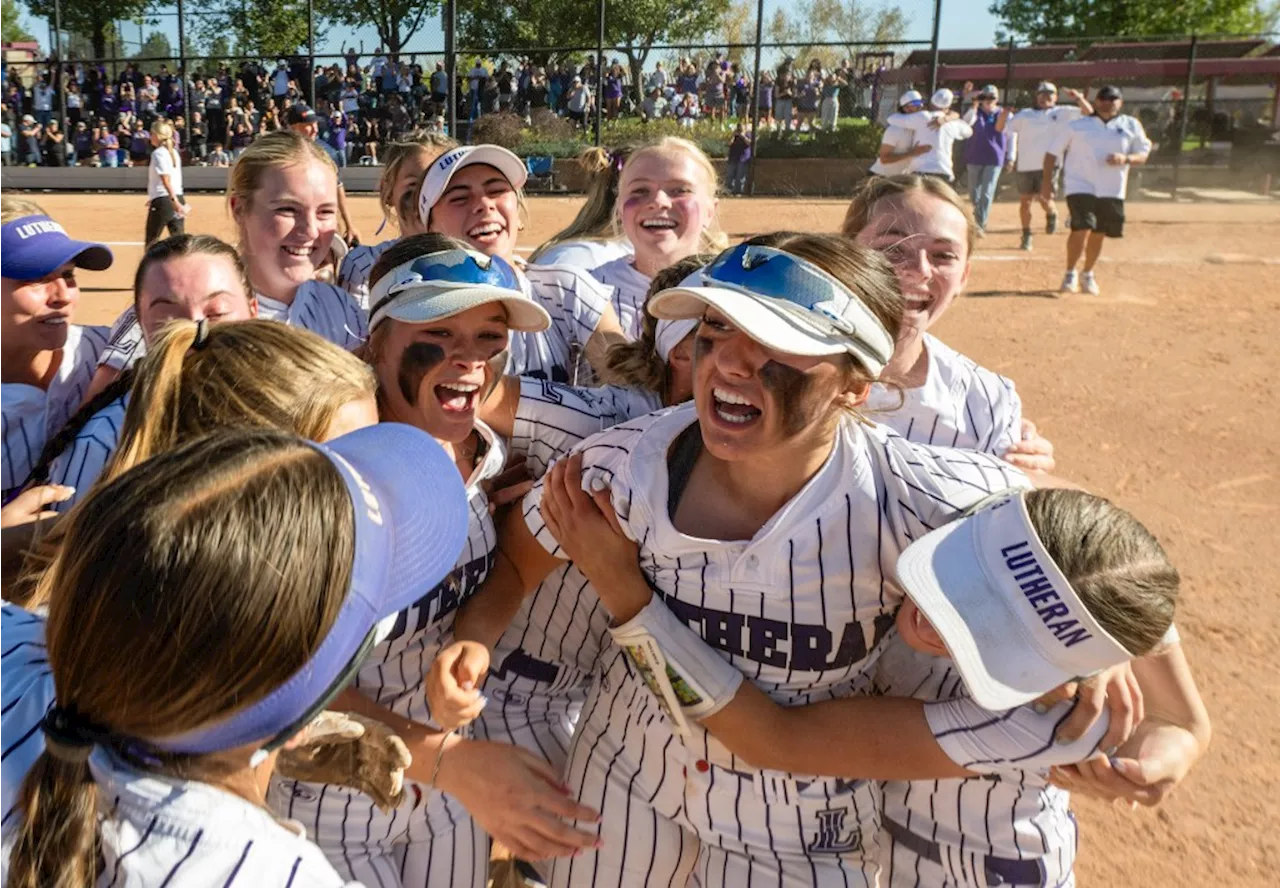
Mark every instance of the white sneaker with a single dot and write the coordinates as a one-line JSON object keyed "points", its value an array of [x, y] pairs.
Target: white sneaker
{"points": [[1069, 284], [1089, 284]]}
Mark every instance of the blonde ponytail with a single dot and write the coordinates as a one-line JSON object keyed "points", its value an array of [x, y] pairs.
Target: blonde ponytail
{"points": [[56, 845]]}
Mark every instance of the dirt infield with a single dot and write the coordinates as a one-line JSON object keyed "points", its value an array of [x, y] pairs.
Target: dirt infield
{"points": [[1161, 393]]}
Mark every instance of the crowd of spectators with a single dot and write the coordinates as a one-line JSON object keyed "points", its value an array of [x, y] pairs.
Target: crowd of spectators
{"points": [[362, 104]]}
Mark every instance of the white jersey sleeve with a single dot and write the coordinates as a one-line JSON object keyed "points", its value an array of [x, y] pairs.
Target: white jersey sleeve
{"points": [[575, 302], [330, 311], [552, 418], [1016, 740], [27, 695], [81, 465], [126, 345], [353, 274], [629, 288]]}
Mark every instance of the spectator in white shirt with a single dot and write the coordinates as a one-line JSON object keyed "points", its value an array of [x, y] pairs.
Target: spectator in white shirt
{"points": [[280, 83], [939, 129], [1035, 130], [1097, 152]]}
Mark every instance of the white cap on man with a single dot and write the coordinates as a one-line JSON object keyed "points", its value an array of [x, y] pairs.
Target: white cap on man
{"points": [[1046, 87], [1010, 620], [942, 99], [910, 97]]}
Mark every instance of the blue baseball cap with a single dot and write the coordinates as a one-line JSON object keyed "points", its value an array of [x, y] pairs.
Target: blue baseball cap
{"points": [[36, 246], [783, 302], [411, 518]]}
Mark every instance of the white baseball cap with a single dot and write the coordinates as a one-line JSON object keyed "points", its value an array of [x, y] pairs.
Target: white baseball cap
{"points": [[447, 164], [783, 302], [1010, 620], [439, 285], [942, 99], [910, 97], [1046, 87], [990, 90]]}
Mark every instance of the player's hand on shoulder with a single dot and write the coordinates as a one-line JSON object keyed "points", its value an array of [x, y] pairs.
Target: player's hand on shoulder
{"points": [[584, 524], [453, 684], [1113, 690], [509, 485], [517, 798], [33, 504], [1143, 771], [1033, 453]]}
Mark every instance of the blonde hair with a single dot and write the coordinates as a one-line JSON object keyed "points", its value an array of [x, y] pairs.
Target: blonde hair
{"points": [[595, 221], [428, 143], [878, 188], [637, 362], [17, 208], [221, 566], [163, 130], [260, 374], [1116, 565], [713, 239], [272, 151]]}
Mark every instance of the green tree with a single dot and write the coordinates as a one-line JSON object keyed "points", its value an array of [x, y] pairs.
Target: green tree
{"points": [[92, 18], [843, 21], [738, 25], [259, 28], [11, 24], [1035, 20], [396, 21]]}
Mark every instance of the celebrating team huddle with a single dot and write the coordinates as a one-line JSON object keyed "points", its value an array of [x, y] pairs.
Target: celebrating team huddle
{"points": [[654, 559]]}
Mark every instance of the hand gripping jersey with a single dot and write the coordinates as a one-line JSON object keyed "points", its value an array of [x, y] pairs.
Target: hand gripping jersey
{"points": [[961, 404], [630, 288], [575, 302], [30, 416], [1006, 827], [800, 609], [429, 839]]}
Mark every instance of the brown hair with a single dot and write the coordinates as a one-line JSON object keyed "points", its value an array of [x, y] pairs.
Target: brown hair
{"points": [[409, 248], [877, 188], [1116, 566], [595, 221], [637, 362], [238, 560], [429, 143]]}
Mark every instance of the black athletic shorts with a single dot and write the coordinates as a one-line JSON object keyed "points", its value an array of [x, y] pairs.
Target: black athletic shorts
{"points": [[1092, 213], [1029, 183]]}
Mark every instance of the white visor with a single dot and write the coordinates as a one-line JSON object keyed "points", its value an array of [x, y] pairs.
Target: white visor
{"points": [[446, 165], [1010, 620], [403, 294]]}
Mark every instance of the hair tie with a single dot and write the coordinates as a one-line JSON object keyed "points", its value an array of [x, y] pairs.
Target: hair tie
{"points": [[202, 334], [618, 159], [68, 736]]}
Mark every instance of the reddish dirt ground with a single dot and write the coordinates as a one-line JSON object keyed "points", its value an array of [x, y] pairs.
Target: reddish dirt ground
{"points": [[1161, 393]]}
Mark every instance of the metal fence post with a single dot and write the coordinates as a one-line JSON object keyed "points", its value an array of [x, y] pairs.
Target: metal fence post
{"points": [[755, 98], [311, 53], [1008, 72], [59, 79], [1186, 112], [183, 81], [451, 63], [599, 70], [937, 34]]}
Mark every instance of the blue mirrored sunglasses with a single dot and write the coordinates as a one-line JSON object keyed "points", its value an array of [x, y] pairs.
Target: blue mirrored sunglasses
{"points": [[778, 275]]}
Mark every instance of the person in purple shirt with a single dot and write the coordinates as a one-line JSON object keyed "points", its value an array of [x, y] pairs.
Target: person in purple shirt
{"points": [[613, 91], [985, 150], [336, 136], [108, 105], [108, 147]]}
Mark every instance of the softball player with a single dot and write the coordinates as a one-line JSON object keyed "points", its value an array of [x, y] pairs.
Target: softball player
{"points": [[938, 129], [162, 781], [897, 145], [666, 207], [473, 194], [54, 359], [934, 394], [283, 197], [191, 277], [591, 239], [440, 319], [404, 165]]}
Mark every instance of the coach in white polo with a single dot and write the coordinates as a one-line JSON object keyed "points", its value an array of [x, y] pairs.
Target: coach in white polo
{"points": [[1035, 131], [1097, 152]]}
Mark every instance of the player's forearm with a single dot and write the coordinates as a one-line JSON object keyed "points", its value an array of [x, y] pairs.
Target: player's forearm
{"points": [[865, 738], [1049, 165], [607, 332], [1136, 159], [1170, 694], [490, 611]]}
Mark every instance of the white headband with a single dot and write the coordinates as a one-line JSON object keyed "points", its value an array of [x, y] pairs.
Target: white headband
{"points": [[669, 334]]}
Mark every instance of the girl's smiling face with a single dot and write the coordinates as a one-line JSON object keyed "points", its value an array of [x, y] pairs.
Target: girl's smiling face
{"points": [[666, 202], [480, 207]]}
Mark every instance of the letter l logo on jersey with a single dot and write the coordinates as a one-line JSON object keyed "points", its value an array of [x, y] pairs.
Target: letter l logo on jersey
{"points": [[831, 837]]}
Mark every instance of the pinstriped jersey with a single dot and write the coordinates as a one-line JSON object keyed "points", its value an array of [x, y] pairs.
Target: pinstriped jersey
{"points": [[1011, 811], [81, 465], [630, 288], [353, 276], [325, 309], [31, 416], [562, 623], [126, 345], [961, 404], [586, 253], [800, 608], [393, 674], [27, 694], [575, 302]]}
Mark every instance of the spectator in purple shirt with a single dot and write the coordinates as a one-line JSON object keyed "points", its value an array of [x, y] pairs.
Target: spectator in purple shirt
{"points": [[336, 136], [985, 150]]}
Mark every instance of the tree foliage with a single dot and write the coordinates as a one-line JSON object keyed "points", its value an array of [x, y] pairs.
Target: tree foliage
{"points": [[92, 18], [259, 28], [846, 22], [11, 24], [1035, 20], [396, 21]]}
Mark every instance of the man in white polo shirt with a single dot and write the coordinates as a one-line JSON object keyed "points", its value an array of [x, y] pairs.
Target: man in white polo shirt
{"points": [[1097, 152], [1035, 131]]}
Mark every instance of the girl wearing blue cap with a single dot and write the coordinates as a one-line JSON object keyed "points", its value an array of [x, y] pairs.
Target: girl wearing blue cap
{"points": [[159, 776], [48, 361]]}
